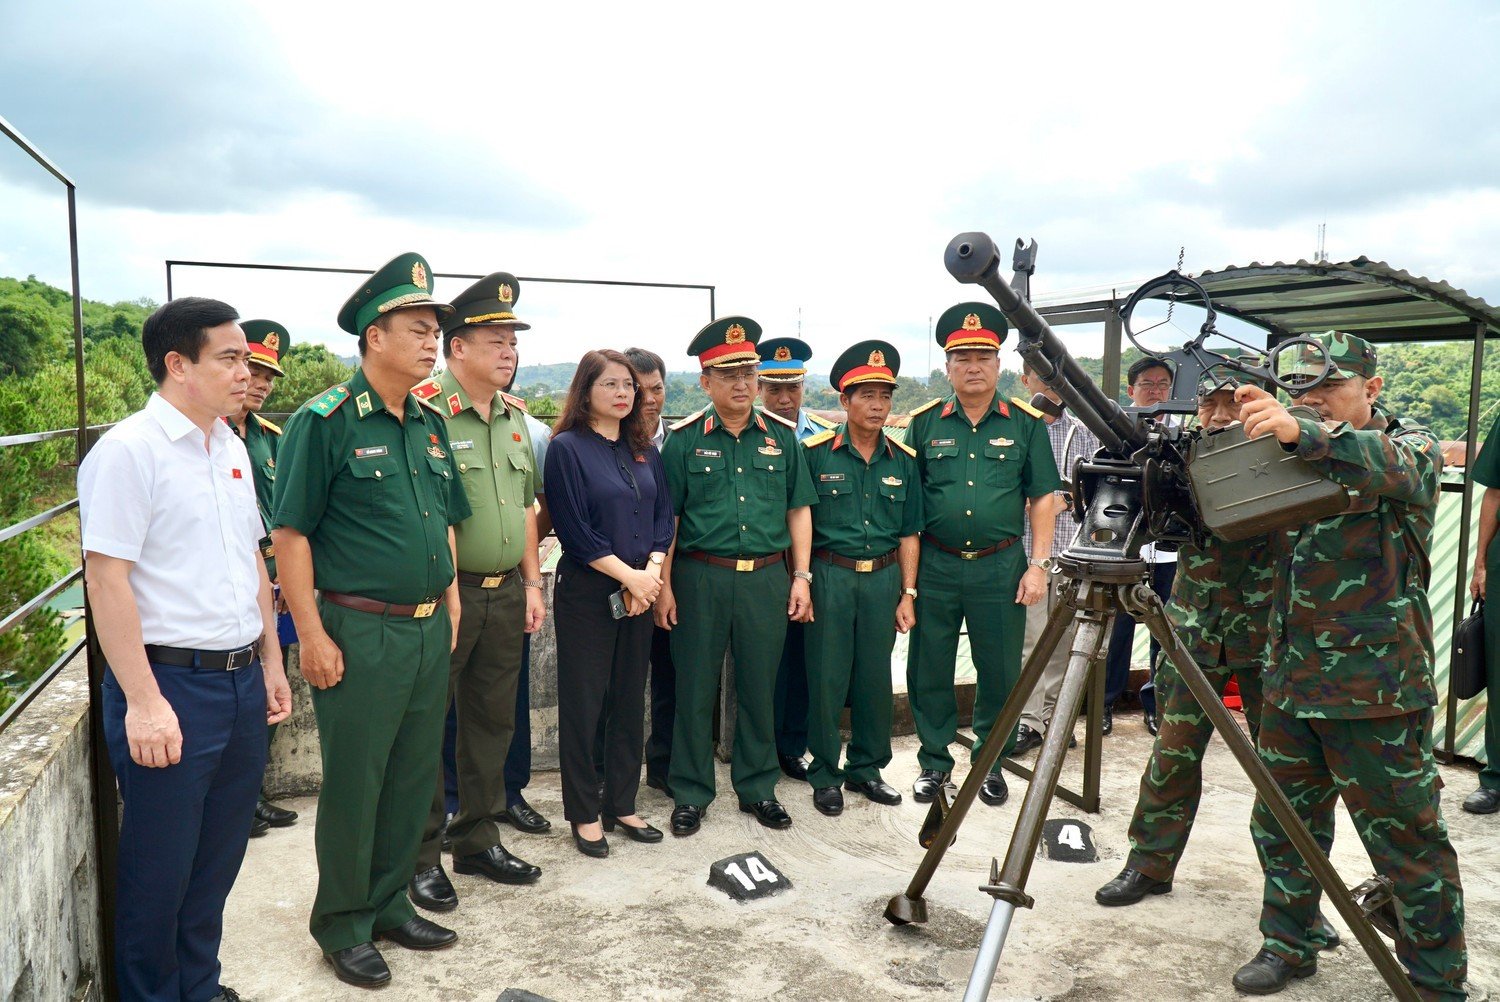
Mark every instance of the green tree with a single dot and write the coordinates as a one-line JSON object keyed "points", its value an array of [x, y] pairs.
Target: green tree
{"points": [[310, 369]]}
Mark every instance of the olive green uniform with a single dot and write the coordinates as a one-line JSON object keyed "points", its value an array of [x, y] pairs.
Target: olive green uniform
{"points": [[375, 496], [261, 439], [499, 480], [732, 495], [976, 480], [864, 509]]}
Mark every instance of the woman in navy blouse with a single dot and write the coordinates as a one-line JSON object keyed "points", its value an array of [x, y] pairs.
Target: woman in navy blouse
{"points": [[606, 490]]}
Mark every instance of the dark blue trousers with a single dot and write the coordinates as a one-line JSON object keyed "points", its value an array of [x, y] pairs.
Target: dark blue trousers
{"points": [[518, 761], [1122, 640], [183, 834]]}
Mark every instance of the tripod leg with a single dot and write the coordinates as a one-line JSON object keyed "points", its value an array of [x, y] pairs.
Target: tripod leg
{"points": [[1153, 615], [909, 906]]}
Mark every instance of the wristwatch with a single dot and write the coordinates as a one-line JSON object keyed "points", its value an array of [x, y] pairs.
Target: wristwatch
{"points": [[803, 576], [1045, 564], [531, 584], [909, 592], [657, 559]]}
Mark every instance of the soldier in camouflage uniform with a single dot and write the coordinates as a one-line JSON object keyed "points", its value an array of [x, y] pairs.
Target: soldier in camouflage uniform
{"points": [[1349, 692]]}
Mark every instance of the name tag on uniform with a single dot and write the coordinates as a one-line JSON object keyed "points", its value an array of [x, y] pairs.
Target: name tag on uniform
{"points": [[939, 443], [710, 453], [829, 478], [891, 481], [1001, 441], [371, 451], [467, 443]]}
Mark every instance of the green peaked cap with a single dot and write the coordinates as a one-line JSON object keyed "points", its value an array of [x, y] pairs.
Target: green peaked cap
{"points": [[489, 302], [403, 281], [726, 341], [866, 362], [267, 341], [971, 325]]}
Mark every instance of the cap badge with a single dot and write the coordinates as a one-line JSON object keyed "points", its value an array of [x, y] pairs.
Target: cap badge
{"points": [[419, 275], [507, 294], [734, 335], [783, 354], [272, 341], [877, 357], [971, 322]]}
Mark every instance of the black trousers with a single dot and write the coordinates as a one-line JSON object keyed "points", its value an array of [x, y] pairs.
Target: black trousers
{"points": [[601, 672]]}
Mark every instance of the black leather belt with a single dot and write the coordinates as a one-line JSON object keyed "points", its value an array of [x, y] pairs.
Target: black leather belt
{"points": [[484, 580], [858, 566], [186, 657]]}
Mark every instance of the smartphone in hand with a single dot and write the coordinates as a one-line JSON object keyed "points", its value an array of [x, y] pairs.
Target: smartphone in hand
{"points": [[617, 604]]}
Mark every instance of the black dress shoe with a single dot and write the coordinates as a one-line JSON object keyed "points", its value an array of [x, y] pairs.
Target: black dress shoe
{"points": [[1268, 974], [1324, 934], [597, 848], [794, 766], [877, 790], [258, 827], [417, 933], [829, 800], [769, 813], [276, 817], [1129, 887], [431, 889], [525, 819], [993, 790], [1026, 739], [226, 994], [657, 783], [1153, 724], [361, 966], [1482, 801], [926, 787], [644, 833], [498, 865], [687, 819], [1072, 740], [1109, 721]]}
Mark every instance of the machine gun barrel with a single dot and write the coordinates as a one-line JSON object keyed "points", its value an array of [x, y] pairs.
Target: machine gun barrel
{"points": [[973, 258]]}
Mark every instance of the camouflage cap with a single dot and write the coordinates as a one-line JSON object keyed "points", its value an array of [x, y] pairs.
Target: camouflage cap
{"points": [[1348, 355]]}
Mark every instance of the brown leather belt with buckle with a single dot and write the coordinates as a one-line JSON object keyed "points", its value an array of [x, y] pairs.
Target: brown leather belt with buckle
{"points": [[484, 580], [361, 604], [186, 657], [737, 564], [858, 566], [972, 554]]}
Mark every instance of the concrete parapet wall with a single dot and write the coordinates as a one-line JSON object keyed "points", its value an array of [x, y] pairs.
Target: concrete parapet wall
{"points": [[49, 889]]}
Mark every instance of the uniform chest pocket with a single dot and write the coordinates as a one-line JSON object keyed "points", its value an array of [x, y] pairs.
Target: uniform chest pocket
{"points": [[770, 475], [943, 462], [520, 469], [440, 483], [1002, 465], [378, 485], [837, 504], [474, 476], [706, 478], [890, 504]]}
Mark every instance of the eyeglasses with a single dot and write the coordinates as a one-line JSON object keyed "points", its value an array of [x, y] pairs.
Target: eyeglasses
{"points": [[736, 376], [1155, 384], [611, 385]]}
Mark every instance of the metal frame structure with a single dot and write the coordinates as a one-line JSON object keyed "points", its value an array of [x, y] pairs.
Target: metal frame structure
{"points": [[101, 776]]}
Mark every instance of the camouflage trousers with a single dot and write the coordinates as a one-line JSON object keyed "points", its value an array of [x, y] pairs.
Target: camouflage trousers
{"points": [[1384, 770], [1173, 780]]}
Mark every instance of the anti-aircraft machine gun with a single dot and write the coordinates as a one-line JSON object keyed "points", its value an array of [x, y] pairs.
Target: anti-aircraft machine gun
{"points": [[1150, 482]]}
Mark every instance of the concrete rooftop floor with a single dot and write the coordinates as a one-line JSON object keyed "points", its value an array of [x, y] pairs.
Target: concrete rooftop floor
{"points": [[643, 924]]}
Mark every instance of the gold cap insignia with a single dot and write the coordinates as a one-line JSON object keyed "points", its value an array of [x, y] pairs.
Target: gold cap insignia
{"points": [[971, 322], [272, 341], [506, 294], [783, 354], [734, 335], [877, 357], [419, 275]]}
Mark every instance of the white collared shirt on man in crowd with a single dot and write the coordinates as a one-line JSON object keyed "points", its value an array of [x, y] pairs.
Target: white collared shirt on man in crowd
{"points": [[185, 516]]}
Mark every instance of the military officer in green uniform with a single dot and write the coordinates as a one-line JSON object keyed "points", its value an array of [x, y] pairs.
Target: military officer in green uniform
{"points": [[1485, 584], [367, 490], [739, 485], [781, 381], [499, 581], [267, 341], [1348, 684], [866, 526], [980, 459]]}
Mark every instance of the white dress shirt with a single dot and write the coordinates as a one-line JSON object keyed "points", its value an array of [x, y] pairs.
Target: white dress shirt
{"points": [[150, 493]]}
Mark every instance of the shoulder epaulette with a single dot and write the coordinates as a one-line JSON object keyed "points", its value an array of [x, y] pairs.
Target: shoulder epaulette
{"points": [[688, 420], [1025, 405], [821, 422], [274, 429], [777, 417], [427, 392], [812, 441], [929, 405], [514, 401], [902, 446], [329, 402]]}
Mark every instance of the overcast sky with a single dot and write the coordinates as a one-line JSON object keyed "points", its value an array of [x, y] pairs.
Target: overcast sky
{"points": [[809, 160]]}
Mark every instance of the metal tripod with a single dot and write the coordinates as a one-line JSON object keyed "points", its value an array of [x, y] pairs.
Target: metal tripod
{"points": [[1096, 591]]}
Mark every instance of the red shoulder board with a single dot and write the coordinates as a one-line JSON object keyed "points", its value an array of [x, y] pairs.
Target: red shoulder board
{"points": [[426, 389], [514, 401]]}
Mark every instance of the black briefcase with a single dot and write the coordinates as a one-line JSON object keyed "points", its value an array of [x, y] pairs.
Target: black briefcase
{"points": [[1466, 669]]}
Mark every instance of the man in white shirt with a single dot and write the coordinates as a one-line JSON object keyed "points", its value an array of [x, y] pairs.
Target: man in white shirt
{"points": [[182, 611]]}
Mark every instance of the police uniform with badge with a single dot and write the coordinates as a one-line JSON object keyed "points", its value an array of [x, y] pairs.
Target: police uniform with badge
{"points": [[977, 477], [869, 510], [1348, 685], [497, 551], [737, 496], [783, 366], [369, 495]]}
